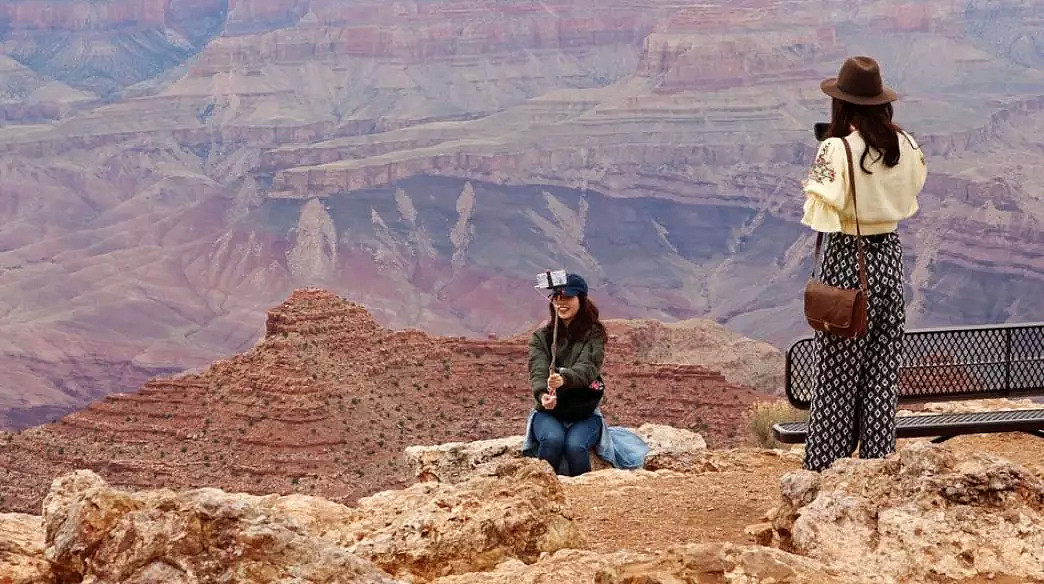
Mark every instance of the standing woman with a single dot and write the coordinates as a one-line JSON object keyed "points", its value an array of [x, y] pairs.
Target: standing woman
{"points": [[566, 422], [857, 383]]}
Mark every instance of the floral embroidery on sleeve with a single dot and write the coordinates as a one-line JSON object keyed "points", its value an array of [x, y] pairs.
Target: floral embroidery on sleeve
{"points": [[821, 171]]}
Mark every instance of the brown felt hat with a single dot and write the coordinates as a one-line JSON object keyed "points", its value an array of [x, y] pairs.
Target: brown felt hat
{"points": [[859, 82]]}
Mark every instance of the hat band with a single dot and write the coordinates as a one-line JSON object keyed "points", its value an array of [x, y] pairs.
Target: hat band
{"points": [[844, 89]]}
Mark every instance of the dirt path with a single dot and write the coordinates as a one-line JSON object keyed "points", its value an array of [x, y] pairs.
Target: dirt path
{"points": [[658, 512], [640, 512]]}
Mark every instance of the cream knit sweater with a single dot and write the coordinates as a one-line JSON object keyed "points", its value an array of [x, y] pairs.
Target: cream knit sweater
{"points": [[886, 197]]}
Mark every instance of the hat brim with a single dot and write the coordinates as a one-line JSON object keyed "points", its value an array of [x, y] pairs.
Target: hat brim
{"points": [[887, 95]]}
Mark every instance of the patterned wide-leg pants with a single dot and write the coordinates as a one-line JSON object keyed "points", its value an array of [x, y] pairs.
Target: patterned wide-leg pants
{"points": [[857, 379]]}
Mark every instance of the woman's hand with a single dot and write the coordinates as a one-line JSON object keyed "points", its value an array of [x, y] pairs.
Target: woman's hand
{"points": [[548, 401], [555, 381]]}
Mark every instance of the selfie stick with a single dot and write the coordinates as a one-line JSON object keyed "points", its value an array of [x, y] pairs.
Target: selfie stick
{"points": [[554, 336], [554, 352]]}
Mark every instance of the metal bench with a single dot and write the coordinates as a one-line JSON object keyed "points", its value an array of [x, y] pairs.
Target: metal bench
{"points": [[943, 364]]}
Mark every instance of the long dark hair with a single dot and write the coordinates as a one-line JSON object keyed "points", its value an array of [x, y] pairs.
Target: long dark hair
{"points": [[585, 322], [874, 123]]}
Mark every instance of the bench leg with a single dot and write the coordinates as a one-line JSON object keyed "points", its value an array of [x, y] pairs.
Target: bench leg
{"points": [[940, 439]]}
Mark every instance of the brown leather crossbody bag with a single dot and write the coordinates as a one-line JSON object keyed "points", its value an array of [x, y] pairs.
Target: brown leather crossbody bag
{"points": [[839, 311]]}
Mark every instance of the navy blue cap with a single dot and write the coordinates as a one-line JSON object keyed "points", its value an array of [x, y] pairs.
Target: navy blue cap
{"points": [[575, 286]]}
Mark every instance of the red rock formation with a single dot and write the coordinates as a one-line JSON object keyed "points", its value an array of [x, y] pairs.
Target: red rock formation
{"points": [[83, 14], [187, 10], [327, 402], [247, 16], [77, 15], [421, 32], [693, 141]]}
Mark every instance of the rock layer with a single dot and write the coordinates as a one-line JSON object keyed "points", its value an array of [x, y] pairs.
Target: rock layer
{"points": [[22, 550], [924, 513], [695, 563], [95, 532], [327, 402], [101, 534], [655, 146]]}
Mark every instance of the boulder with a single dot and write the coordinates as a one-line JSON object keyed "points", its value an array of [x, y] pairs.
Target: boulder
{"points": [[507, 509], [669, 448], [22, 550], [454, 462], [922, 514], [99, 534]]}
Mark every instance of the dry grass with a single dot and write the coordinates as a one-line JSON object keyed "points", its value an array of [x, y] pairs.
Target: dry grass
{"points": [[763, 415]]}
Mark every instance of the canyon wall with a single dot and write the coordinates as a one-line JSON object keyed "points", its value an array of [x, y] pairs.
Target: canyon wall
{"points": [[163, 184]]}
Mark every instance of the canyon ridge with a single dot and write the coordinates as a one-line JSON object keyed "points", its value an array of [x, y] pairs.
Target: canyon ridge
{"points": [[326, 403], [173, 168]]}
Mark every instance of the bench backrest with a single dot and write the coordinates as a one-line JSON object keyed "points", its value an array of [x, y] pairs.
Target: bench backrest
{"points": [[941, 364]]}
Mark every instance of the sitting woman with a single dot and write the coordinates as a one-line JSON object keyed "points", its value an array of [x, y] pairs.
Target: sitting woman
{"points": [[566, 422]]}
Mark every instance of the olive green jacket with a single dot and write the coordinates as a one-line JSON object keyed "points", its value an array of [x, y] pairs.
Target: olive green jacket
{"points": [[579, 362]]}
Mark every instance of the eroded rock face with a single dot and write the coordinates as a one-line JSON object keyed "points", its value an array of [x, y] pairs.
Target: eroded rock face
{"points": [[453, 462], [507, 509], [99, 534], [511, 509], [716, 562], [696, 563], [669, 448], [923, 512], [22, 550]]}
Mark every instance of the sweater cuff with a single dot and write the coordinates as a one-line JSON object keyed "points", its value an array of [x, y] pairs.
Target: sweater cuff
{"points": [[569, 376], [820, 216]]}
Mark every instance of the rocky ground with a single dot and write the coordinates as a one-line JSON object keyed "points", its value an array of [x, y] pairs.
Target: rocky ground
{"points": [[964, 513], [663, 511]]}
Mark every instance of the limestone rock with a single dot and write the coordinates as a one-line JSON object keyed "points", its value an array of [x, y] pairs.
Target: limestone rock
{"points": [[716, 562], [760, 533], [610, 479], [99, 534], [925, 512], [569, 565], [455, 461], [510, 509], [22, 550], [669, 448], [711, 460]]}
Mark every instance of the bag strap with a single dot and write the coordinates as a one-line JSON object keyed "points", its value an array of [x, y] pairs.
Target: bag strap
{"points": [[860, 252]]}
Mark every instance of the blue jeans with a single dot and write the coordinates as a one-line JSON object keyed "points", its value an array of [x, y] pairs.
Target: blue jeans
{"points": [[573, 443]]}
